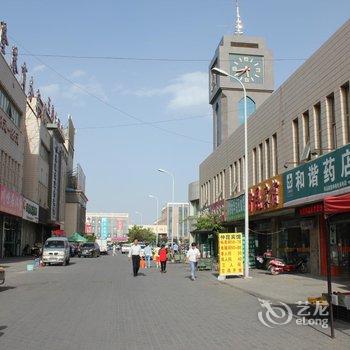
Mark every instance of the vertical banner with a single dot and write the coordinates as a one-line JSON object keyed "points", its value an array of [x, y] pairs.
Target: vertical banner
{"points": [[230, 254]]}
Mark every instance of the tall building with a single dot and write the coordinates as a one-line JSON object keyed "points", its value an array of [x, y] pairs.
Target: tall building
{"points": [[45, 167], [107, 225], [180, 229], [35, 154], [12, 126], [235, 52], [194, 207], [298, 158], [75, 207]]}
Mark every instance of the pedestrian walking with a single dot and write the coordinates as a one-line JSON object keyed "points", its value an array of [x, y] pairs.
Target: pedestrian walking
{"points": [[163, 258], [193, 256], [114, 250], [134, 255], [156, 256], [148, 254]]}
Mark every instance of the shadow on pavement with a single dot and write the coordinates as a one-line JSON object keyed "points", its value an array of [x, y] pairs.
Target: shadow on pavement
{"points": [[1, 329], [3, 288]]}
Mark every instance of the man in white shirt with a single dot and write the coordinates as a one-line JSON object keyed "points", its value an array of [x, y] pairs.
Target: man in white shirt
{"points": [[134, 255], [193, 256]]}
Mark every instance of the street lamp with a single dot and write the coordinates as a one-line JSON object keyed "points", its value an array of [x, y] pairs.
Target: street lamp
{"points": [[157, 203], [173, 199], [138, 213], [240, 72]]}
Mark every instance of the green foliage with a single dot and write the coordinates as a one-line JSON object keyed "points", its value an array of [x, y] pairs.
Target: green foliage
{"points": [[209, 222], [90, 238], [142, 234]]}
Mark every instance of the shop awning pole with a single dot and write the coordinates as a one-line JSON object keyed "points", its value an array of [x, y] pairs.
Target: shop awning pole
{"points": [[329, 278]]}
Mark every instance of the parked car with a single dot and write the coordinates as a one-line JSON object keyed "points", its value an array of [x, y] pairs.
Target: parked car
{"points": [[126, 248], [91, 249], [56, 251]]}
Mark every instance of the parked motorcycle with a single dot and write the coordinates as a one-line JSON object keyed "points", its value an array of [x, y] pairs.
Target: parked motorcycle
{"points": [[277, 266], [262, 261]]}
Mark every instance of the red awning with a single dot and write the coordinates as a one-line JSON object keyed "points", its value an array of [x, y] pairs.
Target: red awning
{"points": [[337, 204]]}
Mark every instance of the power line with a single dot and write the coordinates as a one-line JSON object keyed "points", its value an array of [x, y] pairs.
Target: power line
{"points": [[143, 59], [109, 104], [139, 124]]}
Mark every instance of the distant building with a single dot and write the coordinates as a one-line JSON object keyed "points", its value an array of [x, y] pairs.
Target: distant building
{"points": [[159, 230], [75, 208], [181, 224], [107, 225], [194, 207]]}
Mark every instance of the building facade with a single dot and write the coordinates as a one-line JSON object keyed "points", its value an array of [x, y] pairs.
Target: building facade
{"points": [[194, 207], [108, 226], [76, 200], [180, 229], [304, 121], [12, 126], [35, 155]]}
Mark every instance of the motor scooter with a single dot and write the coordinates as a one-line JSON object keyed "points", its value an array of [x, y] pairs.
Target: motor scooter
{"points": [[277, 266], [262, 261]]}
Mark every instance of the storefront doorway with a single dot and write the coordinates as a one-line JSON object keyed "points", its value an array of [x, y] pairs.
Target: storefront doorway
{"points": [[11, 228], [340, 246]]}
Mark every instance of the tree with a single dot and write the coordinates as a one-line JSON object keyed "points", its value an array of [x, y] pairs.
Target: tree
{"points": [[209, 222], [142, 234], [90, 238]]}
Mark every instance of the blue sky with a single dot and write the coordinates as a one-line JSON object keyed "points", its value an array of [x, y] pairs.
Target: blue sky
{"points": [[121, 161]]}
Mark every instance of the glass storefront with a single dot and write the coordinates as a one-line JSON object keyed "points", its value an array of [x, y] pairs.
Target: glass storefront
{"points": [[340, 246], [11, 232], [293, 241]]}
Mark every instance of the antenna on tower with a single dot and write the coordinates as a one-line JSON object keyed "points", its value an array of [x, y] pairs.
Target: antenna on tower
{"points": [[239, 23]]}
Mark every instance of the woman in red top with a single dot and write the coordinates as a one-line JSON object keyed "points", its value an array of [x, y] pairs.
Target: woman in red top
{"points": [[162, 258]]}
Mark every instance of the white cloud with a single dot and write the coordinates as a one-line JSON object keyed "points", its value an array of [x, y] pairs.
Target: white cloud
{"points": [[78, 73], [39, 68], [52, 90], [189, 90], [79, 90]]}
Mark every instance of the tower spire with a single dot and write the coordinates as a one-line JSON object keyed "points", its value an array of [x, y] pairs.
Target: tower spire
{"points": [[239, 23]]}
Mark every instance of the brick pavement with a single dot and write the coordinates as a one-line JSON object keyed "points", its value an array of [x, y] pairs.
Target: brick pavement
{"points": [[97, 304]]}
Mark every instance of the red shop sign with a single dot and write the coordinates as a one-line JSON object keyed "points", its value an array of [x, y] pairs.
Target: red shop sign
{"points": [[11, 202], [313, 209]]}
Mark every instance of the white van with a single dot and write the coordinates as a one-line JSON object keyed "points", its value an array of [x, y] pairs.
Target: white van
{"points": [[56, 251]]}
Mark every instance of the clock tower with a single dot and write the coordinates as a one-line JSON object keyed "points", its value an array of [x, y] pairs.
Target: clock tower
{"points": [[235, 52]]}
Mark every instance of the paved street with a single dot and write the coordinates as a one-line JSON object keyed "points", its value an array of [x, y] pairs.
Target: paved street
{"points": [[98, 304]]}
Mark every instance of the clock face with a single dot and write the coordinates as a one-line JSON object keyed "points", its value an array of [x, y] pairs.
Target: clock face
{"points": [[255, 63]]}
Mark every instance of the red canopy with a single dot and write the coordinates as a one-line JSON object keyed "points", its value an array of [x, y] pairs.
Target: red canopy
{"points": [[337, 204]]}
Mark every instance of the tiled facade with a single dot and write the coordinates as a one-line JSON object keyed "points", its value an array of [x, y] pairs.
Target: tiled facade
{"points": [[325, 74]]}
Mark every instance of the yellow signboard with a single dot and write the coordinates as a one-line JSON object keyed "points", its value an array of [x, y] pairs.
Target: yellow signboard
{"points": [[230, 254]]}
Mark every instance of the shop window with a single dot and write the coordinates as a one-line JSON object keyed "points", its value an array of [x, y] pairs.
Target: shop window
{"points": [[346, 111], [331, 122], [274, 155], [251, 108], [254, 165], [296, 145], [318, 128], [267, 158], [261, 163]]}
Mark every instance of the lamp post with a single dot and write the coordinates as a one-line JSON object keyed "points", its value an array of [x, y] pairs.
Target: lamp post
{"points": [[172, 205], [157, 203], [221, 72], [138, 213]]}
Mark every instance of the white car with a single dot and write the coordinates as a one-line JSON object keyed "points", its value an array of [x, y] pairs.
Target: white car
{"points": [[126, 248], [56, 251]]}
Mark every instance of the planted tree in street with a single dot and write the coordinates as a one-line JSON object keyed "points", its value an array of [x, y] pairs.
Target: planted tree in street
{"points": [[209, 222], [142, 234]]}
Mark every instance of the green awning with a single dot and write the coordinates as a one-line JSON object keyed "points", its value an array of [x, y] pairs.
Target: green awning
{"points": [[77, 237]]}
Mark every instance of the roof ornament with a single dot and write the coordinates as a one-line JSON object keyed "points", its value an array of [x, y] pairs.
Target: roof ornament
{"points": [[30, 88], [3, 37], [24, 71], [239, 23], [14, 60], [38, 95]]}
